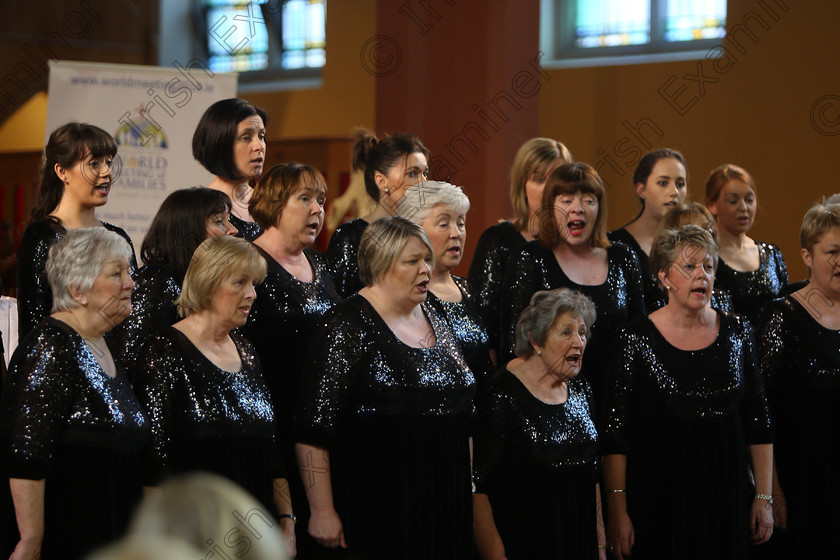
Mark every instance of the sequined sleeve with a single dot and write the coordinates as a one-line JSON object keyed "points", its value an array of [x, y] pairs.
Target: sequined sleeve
{"points": [[523, 278], [155, 385], [38, 398], [635, 289], [498, 415], [153, 308], [343, 257], [617, 425], [336, 354], [781, 267], [755, 414], [33, 289], [772, 347], [487, 271]]}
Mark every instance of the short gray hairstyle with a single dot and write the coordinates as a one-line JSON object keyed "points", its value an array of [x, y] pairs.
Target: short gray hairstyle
{"points": [[545, 307], [421, 198], [76, 260], [381, 245], [671, 243]]}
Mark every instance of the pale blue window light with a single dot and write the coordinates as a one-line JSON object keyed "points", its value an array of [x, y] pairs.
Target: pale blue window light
{"points": [[612, 23], [692, 20], [238, 36], [304, 34]]}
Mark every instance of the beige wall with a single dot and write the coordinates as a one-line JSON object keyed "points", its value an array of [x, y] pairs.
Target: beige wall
{"points": [[758, 114]]}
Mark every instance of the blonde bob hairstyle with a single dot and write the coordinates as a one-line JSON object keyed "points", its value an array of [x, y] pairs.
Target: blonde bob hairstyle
{"points": [[215, 260], [572, 178], [277, 186], [818, 220], [76, 260], [422, 198], [534, 157], [147, 547], [209, 511], [542, 313], [381, 245], [670, 244]]}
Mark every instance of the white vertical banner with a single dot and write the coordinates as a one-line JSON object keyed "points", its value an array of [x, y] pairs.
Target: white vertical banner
{"points": [[152, 112]]}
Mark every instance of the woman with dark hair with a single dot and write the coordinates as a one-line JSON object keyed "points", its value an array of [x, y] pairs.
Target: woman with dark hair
{"points": [[798, 339], [573, 252], [537, 493], [229, 142], [685, 408], [384, 413], [660, 184], [754, 272], [76, 176], [391, 164], [185, 218], [288, 204], [203, 386], [535, 160], [75, 429]]}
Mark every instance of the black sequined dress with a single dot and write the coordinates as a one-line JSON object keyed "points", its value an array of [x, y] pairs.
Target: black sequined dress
{"points": [[153, 309], [33, 288], [537, 464], [621, 235], [751, 290], [70, 423], [246, 230], [684, 419], [800, 363], [395, 420], [487, 274], [343, 257], [205, 418], [617, 300], [466, 324]]}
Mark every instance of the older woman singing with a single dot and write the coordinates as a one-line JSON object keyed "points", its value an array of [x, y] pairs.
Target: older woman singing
{"points": [[75, 428], [685, 403], [384, 412], [537, 494]]}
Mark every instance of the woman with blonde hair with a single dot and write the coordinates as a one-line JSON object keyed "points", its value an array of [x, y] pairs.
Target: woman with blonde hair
{"points": [[202, 383], [797, 345], [383, 421], [534, 162]]}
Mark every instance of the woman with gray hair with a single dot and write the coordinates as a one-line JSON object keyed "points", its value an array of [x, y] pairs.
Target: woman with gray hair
{"points": [[441, 209], [74, 426], [537, 493], [685, 404], [384, 410]]}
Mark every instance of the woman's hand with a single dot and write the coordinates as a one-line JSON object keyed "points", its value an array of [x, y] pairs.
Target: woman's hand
{"points": [[761, 521], [27, 550], [287, 527], [325, 527], [621, 534]]}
